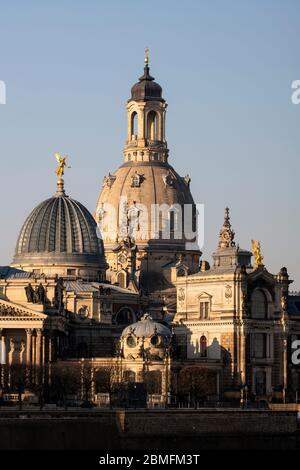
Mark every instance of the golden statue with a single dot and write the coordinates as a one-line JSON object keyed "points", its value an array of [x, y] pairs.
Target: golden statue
{"points": [[256, 248], [60, 170]]}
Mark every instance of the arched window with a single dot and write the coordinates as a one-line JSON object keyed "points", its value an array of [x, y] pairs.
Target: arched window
{"points": [[124, 316], [259, 306], [152, 126], [134, 125], [203, 346]]}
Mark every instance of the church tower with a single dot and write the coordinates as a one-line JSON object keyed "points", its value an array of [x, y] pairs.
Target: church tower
{"points": [[145, 210]]}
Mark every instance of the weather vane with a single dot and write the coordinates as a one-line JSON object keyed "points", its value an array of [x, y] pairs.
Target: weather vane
{"points": [[146, 56]]}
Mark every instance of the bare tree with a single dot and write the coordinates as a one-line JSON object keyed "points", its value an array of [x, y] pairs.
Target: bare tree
{"points": [[197, 382], [65, 380], [19, 380], [107, 379], [153, 382]]}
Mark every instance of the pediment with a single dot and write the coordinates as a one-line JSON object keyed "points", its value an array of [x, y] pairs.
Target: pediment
{"points": [[13, 310], [204, 295], [261, 274]]}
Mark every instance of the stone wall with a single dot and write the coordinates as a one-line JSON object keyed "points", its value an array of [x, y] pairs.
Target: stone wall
{"points": [[146, 430]]}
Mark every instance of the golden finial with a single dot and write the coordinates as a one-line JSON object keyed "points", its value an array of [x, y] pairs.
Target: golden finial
{"points": [[256, 248], [146, 56], [60, 171]]}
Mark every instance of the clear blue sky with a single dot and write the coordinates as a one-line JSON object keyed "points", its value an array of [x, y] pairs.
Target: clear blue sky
{"points": [[226, 69]]}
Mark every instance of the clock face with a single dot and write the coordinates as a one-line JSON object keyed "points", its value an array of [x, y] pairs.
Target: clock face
{"points": [[122, 259]]}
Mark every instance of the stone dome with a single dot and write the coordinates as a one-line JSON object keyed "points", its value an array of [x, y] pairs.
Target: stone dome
{"points": [[60, 237], [146, 328], [141, 185], [146, 88]]}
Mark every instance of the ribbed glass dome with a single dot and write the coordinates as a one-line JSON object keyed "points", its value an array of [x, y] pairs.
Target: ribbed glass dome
{"points": [[59, 230]]}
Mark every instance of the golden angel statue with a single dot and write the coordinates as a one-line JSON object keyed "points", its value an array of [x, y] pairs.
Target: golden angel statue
{"points": [[60, 170], [256, 248]]}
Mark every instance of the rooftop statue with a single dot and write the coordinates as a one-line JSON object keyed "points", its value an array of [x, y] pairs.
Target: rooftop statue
{"points": [[257, 253], [61, 160]]}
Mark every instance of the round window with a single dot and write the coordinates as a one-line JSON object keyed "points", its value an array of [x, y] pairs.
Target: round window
{"points": [[131, 341], [154, 340]]}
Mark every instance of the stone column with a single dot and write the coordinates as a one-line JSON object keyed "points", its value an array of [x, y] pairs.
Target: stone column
{"points": [[43, 349], [28, 346], [38, 365], [2, 357], [11, 350], [93, 389], [33, 349], [243, 366], [10, 347], [284, 368], [38, 347], [50, 348], [141, 122]]}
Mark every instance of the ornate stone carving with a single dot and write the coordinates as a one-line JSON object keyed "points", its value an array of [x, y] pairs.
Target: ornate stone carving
{"points": [[84, 311], [29, 293], [100, 212], [37, 295], [187, 180], [226, 237], [58, 295], [228, 292], [109, 180], [181, 296], [9, 311], [136, 180], [169, 179], [283, 302]]}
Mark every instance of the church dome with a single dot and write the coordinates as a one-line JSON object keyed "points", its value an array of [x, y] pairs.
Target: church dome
{"points": [[147, 201], [60, 237], [142, 185]]}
